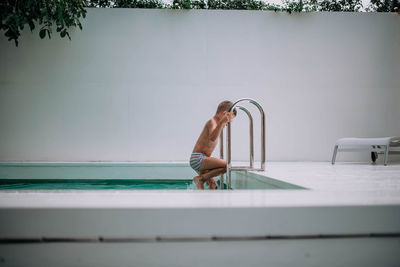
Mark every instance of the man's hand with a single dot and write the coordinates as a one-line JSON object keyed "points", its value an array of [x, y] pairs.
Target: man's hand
{"points": [[231, 116], [228, 117]]}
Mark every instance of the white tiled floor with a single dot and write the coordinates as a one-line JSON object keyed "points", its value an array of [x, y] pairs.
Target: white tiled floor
{"points": [[341, 177], [343, 184]]}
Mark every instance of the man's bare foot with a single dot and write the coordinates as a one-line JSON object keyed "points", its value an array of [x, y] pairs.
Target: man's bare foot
{"points": [[198, 181], [212, 184]]}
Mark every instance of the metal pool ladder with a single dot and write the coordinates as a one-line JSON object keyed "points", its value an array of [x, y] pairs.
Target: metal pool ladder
{"points": [[229, 166]]}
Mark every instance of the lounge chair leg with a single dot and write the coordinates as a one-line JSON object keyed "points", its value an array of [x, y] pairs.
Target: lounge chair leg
{"points": [[334, 154], [386, 155], [374, 155]]}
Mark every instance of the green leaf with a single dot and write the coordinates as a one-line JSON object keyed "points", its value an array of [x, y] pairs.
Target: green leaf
{"points": [[31, 25], [42, 33], [9, 33], [63, 33]]}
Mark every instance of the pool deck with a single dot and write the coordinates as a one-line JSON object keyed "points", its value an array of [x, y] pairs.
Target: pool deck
{"points": [[343, 184]]}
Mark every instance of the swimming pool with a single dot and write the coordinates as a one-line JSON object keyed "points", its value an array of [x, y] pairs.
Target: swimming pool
{"points": [[118, 176]]}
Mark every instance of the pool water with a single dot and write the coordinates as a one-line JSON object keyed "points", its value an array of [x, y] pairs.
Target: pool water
{"points": [[91, 184], [118, 176]]}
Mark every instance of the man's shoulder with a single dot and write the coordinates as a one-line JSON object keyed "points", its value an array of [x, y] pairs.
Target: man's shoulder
{"points": [[211, 123]]}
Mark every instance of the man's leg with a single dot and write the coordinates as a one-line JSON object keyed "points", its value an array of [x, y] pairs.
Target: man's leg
{"points": [[210, 182], [202, 178], [210, 167], [210, 163], [198, 182], [212, 173]]}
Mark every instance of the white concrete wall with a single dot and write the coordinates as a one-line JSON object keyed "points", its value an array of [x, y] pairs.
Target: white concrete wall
{"points": [[138, 85]]}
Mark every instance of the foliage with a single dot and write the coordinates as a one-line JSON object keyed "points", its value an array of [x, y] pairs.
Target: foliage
{"points": [[288, 5], [126, 3], [232, 4], [381, 5], [64, 14], [16, 14], [337, 5], [139, 4], [188, 4], [98, 3]]}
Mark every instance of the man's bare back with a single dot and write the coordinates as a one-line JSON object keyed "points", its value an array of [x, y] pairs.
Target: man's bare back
{"points": [[204, 143]]}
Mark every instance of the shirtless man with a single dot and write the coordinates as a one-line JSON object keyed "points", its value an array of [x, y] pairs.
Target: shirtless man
{"points": [[201, 161]]}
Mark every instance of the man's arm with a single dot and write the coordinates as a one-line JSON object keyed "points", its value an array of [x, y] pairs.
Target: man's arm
{"points": [[217, 131]]}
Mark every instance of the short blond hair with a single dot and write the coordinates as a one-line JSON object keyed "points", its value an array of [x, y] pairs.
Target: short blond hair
{"points": [[224, 106]]}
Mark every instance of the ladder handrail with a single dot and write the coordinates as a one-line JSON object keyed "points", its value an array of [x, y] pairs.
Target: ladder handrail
{"points": [[228, 141], [251, 132], [221, 155], [251, 149]]}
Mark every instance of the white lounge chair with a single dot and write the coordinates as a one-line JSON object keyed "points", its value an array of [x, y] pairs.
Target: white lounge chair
{"points": [[384, 145]]}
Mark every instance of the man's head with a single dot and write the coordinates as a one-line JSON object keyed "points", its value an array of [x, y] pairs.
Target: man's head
{"points": [[224, 106]]}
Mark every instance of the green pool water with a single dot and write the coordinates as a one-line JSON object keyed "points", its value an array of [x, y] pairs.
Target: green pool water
{"points": [[91, 184]]}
